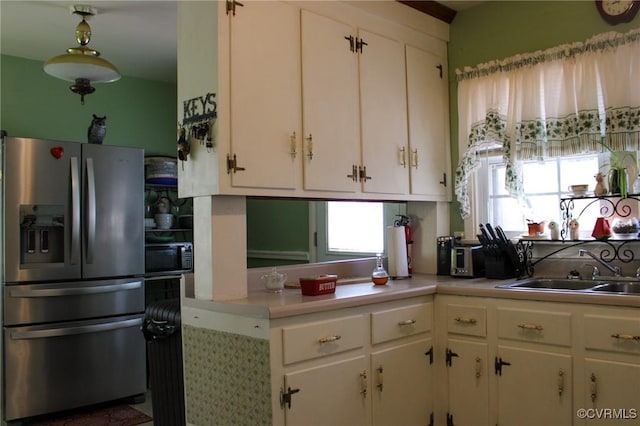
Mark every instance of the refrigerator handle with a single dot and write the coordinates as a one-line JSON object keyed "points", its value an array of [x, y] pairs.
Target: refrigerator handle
{"points": [[75, 212], [67, 330], [91, 210]]}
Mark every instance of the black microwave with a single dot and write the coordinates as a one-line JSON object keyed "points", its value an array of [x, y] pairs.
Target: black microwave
{"points": [[170, 257]]}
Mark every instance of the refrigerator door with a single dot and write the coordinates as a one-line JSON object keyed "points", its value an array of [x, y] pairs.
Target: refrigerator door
{"points": [[113, 211], [42, 210]]}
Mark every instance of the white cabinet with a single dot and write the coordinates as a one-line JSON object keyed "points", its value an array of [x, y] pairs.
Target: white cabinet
{"points": [[365, 366], [331, 112], [527, 375], [354, 108], [311, 100], [611, 371], [466, 361], [428, 109], [265, 116], [330, 394], [383, 115]]}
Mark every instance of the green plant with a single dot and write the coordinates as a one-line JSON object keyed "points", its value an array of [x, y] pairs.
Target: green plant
{"points": [[618, 175]]}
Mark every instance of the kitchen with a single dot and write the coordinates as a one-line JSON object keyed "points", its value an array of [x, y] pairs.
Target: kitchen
{"points": [[467, 46]]}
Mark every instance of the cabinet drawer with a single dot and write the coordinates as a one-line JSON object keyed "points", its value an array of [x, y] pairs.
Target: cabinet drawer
{"points": [[401, 322], [552, 328], [465, 319], [612, 333], [319, 339]]}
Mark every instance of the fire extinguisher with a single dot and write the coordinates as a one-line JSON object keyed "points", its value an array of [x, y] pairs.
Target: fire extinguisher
{"points": [[404, 221]]}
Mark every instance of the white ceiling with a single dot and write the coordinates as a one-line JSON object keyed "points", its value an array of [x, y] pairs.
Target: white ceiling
{"points": [[138, 37]]}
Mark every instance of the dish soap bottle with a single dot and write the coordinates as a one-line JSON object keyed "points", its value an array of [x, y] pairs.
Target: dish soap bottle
{"points": [[379, 276]]}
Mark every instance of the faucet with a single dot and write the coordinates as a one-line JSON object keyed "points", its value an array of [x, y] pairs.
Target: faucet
{"points": [[614, 269]]}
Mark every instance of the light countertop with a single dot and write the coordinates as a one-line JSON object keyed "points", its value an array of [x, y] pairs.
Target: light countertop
{"points": [[291, 302]]}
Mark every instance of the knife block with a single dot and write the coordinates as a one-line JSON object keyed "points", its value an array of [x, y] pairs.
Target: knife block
{"points": [[499, 268]]}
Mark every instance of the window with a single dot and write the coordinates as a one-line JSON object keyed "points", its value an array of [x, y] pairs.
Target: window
{"points": [[545, 183], [347, 230]]}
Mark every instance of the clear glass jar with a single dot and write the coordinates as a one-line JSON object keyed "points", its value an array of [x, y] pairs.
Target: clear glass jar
{"points": [[379, 276]]}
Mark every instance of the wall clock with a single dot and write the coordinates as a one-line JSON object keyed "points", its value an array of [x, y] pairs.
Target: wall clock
{"points": [[617, 11]]}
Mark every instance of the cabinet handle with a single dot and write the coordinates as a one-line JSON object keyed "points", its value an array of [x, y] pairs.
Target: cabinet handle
{"points": [[463, 320], [626, 337], [414, 158], [407, 322], [359, 44], [292, 145], [478, 367], [364, 383], [380, 379], [329, 339], [536, 327], [403, 160], [354, 173], [593, 386], [560, 382], [310, 147]]}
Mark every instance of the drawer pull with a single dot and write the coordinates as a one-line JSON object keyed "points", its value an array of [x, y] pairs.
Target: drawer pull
{"points": [[626, 337], [380, 379], [407, 322], [462, 320], [329, 339], [536, 327]]}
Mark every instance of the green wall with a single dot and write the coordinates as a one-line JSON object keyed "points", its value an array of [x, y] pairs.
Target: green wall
{"points": [[499, 29], [140, 113]]}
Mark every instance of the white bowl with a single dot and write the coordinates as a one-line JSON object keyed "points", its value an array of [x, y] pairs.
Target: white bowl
{"points": [[164, 220]]}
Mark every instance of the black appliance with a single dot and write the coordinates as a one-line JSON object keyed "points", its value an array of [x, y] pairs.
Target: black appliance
{"points": [[444, 246]]}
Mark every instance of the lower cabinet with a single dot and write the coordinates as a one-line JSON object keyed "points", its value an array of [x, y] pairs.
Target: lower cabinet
{"points": [[534, 387], [330, 394], [511, 362], [335, 372]]}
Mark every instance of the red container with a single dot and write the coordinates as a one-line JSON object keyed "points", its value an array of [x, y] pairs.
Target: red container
{"points": [[322, 284]]}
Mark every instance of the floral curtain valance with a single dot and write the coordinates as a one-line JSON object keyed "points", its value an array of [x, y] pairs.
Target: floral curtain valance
{"points": [[558, 102]]}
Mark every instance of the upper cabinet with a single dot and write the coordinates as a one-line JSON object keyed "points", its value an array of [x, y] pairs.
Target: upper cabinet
{"points": [[316, 99]]}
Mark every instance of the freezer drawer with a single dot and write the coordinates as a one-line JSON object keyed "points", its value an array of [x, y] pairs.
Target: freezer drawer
{"points": [[40, 303], [59, 366]]}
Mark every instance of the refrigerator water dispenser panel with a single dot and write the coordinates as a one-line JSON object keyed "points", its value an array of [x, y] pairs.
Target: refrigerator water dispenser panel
{"points": [[42, 234]]}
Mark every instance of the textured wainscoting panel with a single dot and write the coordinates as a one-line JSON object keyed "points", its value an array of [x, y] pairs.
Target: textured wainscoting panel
{"points": [[227, 378]]}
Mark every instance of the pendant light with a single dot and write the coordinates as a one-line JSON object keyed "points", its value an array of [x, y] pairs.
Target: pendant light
{"points": [[82, 65]]}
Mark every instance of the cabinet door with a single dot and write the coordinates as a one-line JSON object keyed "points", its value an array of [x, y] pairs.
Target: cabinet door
{"points": [[535, 388], [383, 104], [427, 97], [333, 394], [265, 95], [331, 113], [401, 385], [468, 382], [613, 386]]}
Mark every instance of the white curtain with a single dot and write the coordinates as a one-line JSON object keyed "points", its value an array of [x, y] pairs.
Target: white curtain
{"points": [[563, 101]]}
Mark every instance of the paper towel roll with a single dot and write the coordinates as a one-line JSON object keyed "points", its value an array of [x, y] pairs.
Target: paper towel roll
{"points": [[397, 251]]}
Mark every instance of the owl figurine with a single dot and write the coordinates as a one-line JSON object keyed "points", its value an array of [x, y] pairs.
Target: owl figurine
{"points": [[574, 229], [97, 130], [554, 230]]}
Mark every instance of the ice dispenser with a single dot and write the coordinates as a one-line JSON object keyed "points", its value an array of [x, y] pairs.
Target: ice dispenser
{"points": [[42, 234]]}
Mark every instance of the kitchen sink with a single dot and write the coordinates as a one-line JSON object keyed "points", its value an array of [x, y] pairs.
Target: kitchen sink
{"points": [[615, 285], [628, 287], [553, 284]]}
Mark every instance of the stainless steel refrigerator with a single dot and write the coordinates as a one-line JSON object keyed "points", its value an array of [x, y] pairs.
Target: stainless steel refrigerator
{"points": [[73, 287]]}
